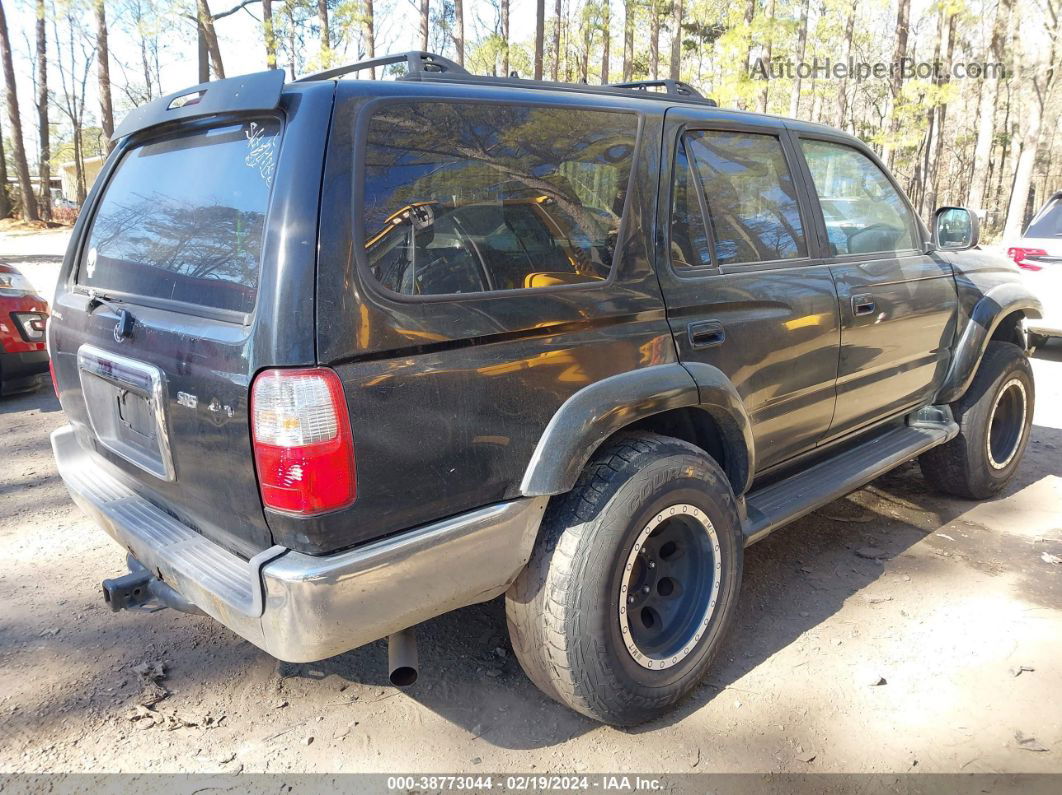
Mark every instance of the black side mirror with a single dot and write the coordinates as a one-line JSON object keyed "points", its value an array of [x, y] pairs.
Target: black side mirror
{"points": [[955, 228]]}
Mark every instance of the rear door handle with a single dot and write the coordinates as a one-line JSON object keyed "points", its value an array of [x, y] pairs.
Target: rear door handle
{"points": [[863, 305], [706, 334]]}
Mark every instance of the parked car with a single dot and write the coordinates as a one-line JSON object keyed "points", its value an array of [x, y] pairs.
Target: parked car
{"points": [[339, 356], [1039, 255], [23, 315]]}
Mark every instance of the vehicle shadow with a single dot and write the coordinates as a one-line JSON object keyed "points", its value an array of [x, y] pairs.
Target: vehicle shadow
{"points": [[793, 581], [40, 398]]}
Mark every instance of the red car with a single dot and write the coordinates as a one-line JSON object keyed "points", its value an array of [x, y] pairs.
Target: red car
{"points": [[23, 313]]}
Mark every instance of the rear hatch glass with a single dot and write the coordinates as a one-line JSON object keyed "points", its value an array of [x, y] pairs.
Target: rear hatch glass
{"points": [[182, 219], [1048, 223]]}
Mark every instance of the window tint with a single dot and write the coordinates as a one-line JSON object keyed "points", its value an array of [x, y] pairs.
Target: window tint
{"points": [[864, 213], [689, 239], [1048, 223], [183, 218], [472, 197], [752, 201]]}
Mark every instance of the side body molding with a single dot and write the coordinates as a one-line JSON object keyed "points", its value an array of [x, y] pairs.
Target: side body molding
{"points": [[986, 315], [597, 411]]}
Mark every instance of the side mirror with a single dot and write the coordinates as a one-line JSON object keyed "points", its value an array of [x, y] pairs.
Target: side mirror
{"points": [[955, 228]]}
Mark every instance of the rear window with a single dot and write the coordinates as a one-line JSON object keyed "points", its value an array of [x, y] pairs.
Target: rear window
{"points": [[476, 197], [1048, 223], [182, 219]]}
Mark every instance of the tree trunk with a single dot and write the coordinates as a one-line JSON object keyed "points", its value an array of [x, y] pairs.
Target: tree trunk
{"points": [[540, 33], [459, 30], [505, 37], [654, 40], [103, 65], [203, 50], [326, 37], [210, 38], [676, 40], [555, 73], [268, 35], [903, 24], [44, 170], [1041, 103], [933, 172], [801, 49], [606, 30], [628, 40], [986, 115], [18, 151], [5, 197], [842, 91], [769, 35], [425, 17], [369, 34]]}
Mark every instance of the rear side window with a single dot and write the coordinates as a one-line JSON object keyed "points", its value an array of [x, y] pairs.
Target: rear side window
{"points": [[182, 219], [476, 197], [1048, 223], [864, 213], [752, 201]]}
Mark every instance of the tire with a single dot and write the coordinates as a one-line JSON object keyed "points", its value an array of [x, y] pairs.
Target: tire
{"points": [[994, 418], [563, 611]]}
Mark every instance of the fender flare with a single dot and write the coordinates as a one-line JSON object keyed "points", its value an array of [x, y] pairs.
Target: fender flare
{"points": [[985, 317], [601, 409]]}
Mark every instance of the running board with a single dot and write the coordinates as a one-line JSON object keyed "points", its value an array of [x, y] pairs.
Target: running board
{"points": [[789, 499]]}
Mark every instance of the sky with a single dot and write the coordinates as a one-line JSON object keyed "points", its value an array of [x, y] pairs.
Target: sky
{"points": [[241, 44]]}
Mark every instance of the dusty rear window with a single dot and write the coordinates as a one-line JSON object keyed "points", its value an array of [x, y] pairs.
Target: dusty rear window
{"points": [[182, 219], [478, 197]]}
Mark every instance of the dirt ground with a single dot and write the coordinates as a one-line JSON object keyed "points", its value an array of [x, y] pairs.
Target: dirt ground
{"points": [[893, 631]]}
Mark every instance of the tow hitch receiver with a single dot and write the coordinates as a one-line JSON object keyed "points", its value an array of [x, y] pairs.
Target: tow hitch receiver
{"points": [[131, 590], [142, 590]]}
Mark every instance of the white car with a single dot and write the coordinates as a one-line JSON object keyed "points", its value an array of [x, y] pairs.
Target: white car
{"points": [[1039, 255]]}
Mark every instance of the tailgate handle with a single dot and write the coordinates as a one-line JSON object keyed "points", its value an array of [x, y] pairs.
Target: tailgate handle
{"points": [[706, 334]]}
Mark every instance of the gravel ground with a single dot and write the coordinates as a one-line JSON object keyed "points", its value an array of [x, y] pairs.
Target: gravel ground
{"points": [[893, 631]]}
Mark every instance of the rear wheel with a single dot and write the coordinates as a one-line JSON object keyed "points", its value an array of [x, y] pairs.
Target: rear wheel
{"points": [[994, 416], [632, 582]]}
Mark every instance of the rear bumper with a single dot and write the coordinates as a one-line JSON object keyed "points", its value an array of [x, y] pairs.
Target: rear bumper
{"points": [[23, 364], [303, 608]]}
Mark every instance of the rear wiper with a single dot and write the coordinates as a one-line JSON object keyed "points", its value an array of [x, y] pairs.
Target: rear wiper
{"points": [[124, 327]]}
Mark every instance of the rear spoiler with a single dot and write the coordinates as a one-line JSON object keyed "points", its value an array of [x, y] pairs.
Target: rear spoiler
{"points": [[246, 93]]}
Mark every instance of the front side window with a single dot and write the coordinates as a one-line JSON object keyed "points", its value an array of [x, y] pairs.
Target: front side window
{"points": [[182, 219], [752, 201], [864, 213], [476, 197]]}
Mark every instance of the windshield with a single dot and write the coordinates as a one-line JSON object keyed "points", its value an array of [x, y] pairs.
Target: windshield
{"points": [[182, 219], [1049, 222]]}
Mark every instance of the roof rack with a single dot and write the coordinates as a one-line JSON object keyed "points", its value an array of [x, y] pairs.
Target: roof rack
{"points": [[419, 64], [428, 66]]}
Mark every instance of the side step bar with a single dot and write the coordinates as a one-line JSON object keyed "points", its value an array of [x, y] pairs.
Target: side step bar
{"points": [[780, 503]]}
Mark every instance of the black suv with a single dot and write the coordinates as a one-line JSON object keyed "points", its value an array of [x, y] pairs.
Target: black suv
{"points": [[339, 356]]}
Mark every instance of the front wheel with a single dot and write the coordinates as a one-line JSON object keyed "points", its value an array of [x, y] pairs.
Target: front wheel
{"points": [[995, 418], [632, 583]]}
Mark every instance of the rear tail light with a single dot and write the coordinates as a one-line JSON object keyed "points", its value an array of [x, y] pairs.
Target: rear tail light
{"points": [[31, 325], [55, 383], [1021, 255], [303, 447]]}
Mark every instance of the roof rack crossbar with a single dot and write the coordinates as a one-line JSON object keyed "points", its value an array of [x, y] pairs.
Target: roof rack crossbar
{"points": [[417, 62], [670, 87]]}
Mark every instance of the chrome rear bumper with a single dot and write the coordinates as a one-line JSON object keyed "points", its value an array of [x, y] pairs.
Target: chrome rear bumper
{"points": [[303, 608]]}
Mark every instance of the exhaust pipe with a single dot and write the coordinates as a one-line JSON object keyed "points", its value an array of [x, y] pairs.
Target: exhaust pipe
{"points": [[402, 658]]}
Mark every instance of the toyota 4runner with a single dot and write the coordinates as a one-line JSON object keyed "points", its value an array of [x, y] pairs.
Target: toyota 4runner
{"points": [[339, 356]]}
